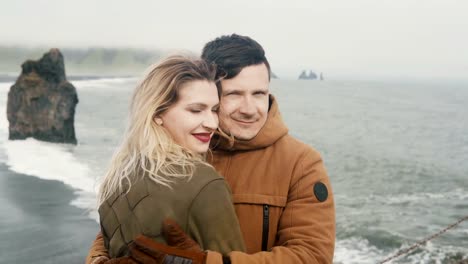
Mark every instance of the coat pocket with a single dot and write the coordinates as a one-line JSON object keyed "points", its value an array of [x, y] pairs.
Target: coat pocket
{"points": [[279, 201], [259, 216]]}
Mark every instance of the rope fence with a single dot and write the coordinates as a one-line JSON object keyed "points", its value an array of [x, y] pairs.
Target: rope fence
{"points": [[422, 242]]}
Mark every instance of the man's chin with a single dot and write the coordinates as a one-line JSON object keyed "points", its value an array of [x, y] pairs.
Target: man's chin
{"points": [[244, 136]]}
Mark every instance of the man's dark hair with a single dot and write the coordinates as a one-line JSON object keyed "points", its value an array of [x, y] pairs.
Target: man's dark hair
{"points": [[232, 53]]}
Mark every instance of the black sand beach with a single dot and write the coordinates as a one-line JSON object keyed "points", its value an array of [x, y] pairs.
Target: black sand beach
{"points": [[38, 224]]}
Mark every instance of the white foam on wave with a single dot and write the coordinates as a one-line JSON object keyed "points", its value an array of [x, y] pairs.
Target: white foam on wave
{"points": [[456, 194], [10, 74], [88, 202], [4, 88], [356, 250], [414, 198], [104, 83], [431, 253], [49, 161]]}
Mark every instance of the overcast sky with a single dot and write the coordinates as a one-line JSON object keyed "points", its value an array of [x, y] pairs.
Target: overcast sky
{"points": [[358, 38]]}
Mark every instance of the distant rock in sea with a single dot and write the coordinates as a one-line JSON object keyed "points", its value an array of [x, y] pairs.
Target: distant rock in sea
{"points": [[308, 75], [273, 75], [41, 103]]}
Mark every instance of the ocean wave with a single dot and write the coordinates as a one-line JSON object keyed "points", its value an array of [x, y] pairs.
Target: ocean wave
{"points": [[458, 194], [430, 253], [49, 161], [356, 250], [4, 88], [105, 83], [88, 202]]}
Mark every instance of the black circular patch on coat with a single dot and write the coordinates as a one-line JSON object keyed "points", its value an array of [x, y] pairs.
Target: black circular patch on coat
{"points": [[321, 191]]}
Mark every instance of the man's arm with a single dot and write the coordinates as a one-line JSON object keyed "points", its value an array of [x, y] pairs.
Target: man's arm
{"points": [[97, 249], [306, 231]]}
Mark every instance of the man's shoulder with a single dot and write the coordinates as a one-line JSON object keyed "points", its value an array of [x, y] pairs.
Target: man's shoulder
{"points": [[293, 147]]}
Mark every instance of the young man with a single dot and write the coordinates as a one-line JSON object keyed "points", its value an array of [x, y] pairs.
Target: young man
{"points": [[281, 191]]}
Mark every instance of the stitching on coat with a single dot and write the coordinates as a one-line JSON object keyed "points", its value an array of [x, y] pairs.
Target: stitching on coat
{"points": [[132, 210], [189, 208]]}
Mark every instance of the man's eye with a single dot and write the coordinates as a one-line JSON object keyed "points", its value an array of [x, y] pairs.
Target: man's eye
{"points": [[195, 111]]}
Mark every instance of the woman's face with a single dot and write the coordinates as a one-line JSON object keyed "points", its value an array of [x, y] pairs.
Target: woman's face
{"points": [[192, 120]]}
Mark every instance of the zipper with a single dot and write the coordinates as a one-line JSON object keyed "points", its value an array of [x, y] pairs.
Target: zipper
{"points": [[266, 226]]}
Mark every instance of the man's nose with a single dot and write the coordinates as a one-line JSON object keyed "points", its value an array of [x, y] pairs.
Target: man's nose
{"points": [[247, 106]]}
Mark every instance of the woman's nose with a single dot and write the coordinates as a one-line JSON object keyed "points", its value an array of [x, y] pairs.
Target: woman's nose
{"points": [[211, 121]]}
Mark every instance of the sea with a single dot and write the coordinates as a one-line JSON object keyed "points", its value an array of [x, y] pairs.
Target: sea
{"points": [[396, 153]]}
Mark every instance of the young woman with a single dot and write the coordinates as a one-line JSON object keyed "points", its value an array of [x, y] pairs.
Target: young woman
{"points": [[158, 171]]}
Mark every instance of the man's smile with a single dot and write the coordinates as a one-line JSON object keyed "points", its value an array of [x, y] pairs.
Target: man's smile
{"points": [[245, 122]]}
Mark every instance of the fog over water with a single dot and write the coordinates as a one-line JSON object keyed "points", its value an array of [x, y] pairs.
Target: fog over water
{"points": [[362, 39]]}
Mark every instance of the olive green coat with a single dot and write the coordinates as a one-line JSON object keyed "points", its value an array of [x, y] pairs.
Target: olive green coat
{"points": [[202, 206]]}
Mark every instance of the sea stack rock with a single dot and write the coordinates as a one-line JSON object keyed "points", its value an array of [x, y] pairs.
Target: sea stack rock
{"points": [[307, 75], [41, 104]]}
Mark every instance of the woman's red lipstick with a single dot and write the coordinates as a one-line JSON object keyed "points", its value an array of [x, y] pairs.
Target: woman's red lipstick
{"points": [[203, 137]]}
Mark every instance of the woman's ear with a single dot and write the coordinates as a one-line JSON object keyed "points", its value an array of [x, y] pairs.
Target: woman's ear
{"points": [[158, 120]]}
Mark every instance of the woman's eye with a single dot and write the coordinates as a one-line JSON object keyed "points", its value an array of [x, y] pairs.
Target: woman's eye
{"points": [[195, 111]]}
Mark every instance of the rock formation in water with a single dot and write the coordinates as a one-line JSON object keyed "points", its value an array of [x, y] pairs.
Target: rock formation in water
{"points": [[41, 104], [307, 76]]}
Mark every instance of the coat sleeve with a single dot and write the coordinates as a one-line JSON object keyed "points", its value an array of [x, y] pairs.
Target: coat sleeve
{"points": [[97, 249], [212, 219], [306, 232]]}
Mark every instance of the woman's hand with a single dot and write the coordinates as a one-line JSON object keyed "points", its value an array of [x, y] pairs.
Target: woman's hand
{"points": [[180, 247], [106, 260]]}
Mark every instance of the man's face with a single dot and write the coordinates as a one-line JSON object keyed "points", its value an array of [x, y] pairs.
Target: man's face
{"points": [[244, 102]]}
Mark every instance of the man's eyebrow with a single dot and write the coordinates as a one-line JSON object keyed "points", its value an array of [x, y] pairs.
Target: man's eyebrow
{"points": [[261, 90], [233, 91]]}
